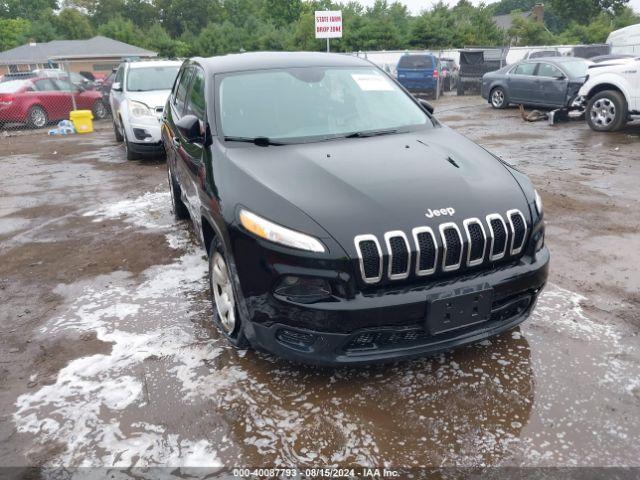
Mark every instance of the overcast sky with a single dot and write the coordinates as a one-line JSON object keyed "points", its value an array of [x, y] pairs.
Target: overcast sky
{"points": [[416, 6]]}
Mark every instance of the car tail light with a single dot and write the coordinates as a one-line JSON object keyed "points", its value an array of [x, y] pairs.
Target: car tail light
{"points": [[435, 74], [5, 99]]}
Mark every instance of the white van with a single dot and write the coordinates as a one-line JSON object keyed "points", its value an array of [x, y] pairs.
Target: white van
{"points": [[625, 40]]}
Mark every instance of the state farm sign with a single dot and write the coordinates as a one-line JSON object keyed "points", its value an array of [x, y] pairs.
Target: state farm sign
{"points": [[329, 24]]}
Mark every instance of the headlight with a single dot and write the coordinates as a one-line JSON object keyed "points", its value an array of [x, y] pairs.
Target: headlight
{"points": [[138, 109], [263, 228], [538, 204]]}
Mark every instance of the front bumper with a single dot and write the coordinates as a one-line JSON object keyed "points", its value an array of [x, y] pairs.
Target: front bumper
{"points": [[392, 325]]}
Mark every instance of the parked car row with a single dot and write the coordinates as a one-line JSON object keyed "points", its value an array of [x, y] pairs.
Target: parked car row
{"points": [[607, 90]]}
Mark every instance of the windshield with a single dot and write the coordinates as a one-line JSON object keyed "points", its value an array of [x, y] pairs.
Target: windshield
{"points": [[151, 78], [295, 103], [577, 68]]}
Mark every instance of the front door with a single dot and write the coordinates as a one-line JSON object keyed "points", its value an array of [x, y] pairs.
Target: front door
{"points": [[192, 152], [551, 85], [521, 83]]}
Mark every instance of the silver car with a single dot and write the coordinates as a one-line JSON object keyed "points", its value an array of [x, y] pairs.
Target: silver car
{"points": [[138, 95]]}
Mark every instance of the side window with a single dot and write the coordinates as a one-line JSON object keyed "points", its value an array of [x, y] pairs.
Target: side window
{"points": [[547, 70], [181, 92], [64, 85], [44, 85], [195, 100], [524, 69]]}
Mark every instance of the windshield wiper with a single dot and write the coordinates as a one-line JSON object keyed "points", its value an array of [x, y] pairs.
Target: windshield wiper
{"points": [[371, 133], [260, 141]]}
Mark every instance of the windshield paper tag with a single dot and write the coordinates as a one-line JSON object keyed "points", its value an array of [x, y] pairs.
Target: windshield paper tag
{"points": [[371, 83]]}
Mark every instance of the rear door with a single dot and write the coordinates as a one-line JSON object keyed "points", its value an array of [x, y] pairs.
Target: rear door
{"points": [[521, 84], [550, 85]]}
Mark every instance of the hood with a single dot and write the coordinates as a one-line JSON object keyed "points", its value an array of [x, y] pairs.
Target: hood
{"points": [[153, 98], [374, 185]]}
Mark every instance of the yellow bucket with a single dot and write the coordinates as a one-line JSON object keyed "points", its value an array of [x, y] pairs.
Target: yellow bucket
{"points": [[82, 120]]}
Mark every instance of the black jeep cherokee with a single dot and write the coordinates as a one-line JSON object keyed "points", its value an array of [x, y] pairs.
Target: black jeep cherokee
{"points": [[343, 222]]}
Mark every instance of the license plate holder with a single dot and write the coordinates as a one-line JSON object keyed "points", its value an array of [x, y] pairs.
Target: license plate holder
{"points": [[462, 308]]}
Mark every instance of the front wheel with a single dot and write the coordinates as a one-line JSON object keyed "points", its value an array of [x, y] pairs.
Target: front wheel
{"points": [[99, 110], [499, 98], [131, 155], [607, 111], [224, 298]]}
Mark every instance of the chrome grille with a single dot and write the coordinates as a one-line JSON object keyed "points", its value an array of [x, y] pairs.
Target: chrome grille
{"points": [[426, 251], [476, 241], [399, 253], [498, 235], [494, 235], [518, 229], [452, 244], [370, 258]]}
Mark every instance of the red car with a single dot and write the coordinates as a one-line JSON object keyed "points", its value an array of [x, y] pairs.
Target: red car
{"points": [[39, 101]]}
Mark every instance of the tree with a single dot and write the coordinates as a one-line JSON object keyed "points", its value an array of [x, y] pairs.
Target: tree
{"points": [[281, 13], [71, 24], [158, 40], [530, 32], [122, 30], [27, 9], [13, 32], [584, 11]]}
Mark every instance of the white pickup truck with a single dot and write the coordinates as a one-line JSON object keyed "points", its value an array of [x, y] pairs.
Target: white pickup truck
{"points": [[611, 95]]}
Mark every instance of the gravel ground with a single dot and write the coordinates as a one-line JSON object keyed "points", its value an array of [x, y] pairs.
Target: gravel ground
{"points": [[108, 358]]}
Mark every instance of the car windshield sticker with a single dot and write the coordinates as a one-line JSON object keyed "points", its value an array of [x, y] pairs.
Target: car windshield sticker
{"points": [[370, 83]]}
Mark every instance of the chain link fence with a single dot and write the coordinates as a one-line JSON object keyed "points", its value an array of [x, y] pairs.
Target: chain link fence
{"points": [[41, 98]]}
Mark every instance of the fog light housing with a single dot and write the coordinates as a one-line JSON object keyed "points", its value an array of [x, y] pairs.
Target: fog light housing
{"points": [[141, 133], [303, 289], [295, 338]]}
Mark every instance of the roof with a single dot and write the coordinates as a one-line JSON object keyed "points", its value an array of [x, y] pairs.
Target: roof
{"points": [[155, 63], [267, 60], [96, 47], [505, 22]]}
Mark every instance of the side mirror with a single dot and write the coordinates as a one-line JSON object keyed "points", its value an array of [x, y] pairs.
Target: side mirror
{"points": [[189, 127], [426, 105], [117, 86]]}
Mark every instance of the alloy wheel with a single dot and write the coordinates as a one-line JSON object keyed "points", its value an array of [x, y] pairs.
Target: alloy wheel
{"points": [[99, 110], [38, 117], [603, 112], [497, 98], [223, 293]]}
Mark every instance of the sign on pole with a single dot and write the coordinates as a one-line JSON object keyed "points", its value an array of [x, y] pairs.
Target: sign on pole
{"points": [[329, 25]]}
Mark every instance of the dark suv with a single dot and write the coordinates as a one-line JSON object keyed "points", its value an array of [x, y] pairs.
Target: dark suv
{"points": [[343, 223]]}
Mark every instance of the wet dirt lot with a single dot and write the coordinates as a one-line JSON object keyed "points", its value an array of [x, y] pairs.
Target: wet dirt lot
{"points": [[108, 358]]}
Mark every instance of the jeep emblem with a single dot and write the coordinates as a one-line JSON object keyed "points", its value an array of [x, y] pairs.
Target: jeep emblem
{"points": [[441, 212]]}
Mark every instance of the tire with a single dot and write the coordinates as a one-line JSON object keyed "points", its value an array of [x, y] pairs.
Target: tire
{"points": [[607, 111], [223, 297], [37, 117], [179, 208], [116, 132], [131, 155], [498, 98], [99, 110]]}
